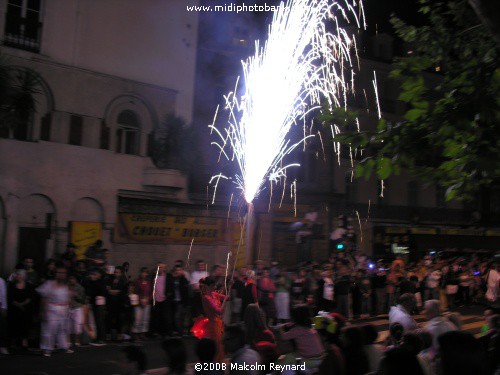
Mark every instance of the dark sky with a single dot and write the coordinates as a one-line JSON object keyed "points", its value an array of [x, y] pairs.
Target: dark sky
{"points": [[378, 12]]}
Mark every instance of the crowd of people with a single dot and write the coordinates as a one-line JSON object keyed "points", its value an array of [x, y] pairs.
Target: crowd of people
{"points": [[262, 313]]}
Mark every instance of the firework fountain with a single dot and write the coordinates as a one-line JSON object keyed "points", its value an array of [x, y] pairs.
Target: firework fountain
{"points": [[305, 61]]}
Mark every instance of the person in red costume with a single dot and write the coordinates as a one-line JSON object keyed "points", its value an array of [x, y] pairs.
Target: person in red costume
{"points": [[213, 306]]}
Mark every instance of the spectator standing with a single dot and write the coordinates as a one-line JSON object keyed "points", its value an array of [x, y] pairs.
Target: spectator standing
{"points": [[180, 303], [95, 289], [250, 294], [266, 291], [95, 255], [32, 276], [365, 288], [282, 299], [466, 281], [76, 302], [451, 287], [68, 258], [55, 306], [379, 284], [116, 303], [432, 284], [20, 315], [142, 311], [199, 273], [492, 283], [162, 301], [342, 289], [325, 291]]}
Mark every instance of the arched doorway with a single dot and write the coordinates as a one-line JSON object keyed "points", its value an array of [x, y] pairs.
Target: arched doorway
{"points": [[36, 219]]}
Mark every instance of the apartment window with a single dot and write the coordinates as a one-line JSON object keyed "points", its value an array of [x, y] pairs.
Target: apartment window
{"points": [[127, 133], [23, 24], [45, 128], [104, 139], [76, 130], [413, 195]]}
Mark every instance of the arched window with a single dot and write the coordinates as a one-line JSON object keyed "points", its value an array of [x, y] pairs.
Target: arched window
{"points": [[128, 133]]}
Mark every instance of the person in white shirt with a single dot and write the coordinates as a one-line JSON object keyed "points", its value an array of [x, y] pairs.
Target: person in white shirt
{"points": [[402, 312], [55, 301], [433, 279], [437, 324], [492, 284]]}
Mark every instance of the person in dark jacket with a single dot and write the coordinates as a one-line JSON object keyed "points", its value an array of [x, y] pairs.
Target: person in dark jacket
{"points": [[95, 289], [249, 292], [178, 288]]}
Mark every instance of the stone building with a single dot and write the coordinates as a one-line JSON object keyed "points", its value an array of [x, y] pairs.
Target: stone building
{"points": [[104, 74]]}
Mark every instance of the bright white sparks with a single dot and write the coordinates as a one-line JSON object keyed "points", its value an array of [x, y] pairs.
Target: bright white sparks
{"points": [[300, 65]]}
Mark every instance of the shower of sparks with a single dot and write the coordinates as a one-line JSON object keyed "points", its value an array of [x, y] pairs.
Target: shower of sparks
{"points": [[300, 65]]}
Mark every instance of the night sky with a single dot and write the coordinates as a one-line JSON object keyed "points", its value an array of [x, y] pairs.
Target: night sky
{"points": [[378, 12]]}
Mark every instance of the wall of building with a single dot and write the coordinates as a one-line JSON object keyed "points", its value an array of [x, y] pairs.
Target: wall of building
{"points": [[96, 59]]}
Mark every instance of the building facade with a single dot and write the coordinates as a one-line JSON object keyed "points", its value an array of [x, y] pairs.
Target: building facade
{"points": [[103, 74]]}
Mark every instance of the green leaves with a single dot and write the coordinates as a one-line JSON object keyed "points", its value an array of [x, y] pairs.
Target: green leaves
{"points": [[450, 133]]}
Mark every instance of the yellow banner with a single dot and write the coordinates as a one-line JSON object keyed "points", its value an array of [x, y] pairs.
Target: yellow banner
{"points": [[462, 232], [145, 228], [396, 230], [84, 234], [424, 230]]}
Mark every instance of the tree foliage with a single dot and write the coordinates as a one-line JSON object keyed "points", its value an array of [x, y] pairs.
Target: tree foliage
{"points": [[450, 133]]}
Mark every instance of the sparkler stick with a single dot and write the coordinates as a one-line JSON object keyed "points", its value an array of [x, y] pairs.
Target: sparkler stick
{"points": [[154, 285], [189, 252], [227, 268]]}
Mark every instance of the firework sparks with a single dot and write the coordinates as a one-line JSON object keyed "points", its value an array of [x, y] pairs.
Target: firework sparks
{"points": [[300, 65]]}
